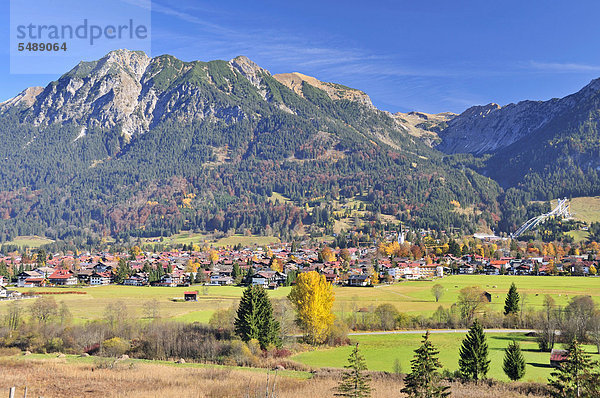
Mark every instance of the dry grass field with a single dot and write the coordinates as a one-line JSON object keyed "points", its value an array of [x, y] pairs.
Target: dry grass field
{"points": [[64, 377]]}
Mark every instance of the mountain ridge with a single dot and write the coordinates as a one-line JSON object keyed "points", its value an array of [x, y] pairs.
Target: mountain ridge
{"points": [[129, 145]]}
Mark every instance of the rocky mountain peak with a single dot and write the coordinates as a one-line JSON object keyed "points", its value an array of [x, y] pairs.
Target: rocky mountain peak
{"points": [[295, 80], [249, 69], [25, 98]]}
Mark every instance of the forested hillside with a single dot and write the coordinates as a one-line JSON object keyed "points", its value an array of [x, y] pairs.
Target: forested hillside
{"points": [[537, 151], [129, 145]]}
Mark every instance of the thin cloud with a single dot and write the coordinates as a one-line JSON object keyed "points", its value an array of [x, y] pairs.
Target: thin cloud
{"points": [[563, 67]]}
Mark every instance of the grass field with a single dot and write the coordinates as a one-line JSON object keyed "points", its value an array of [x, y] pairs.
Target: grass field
{"points": [[200, 239], [579, 236], [29, 241], [586, 208], [416, 297], [381, 351], [246, 240], [411, 296], [92, 305]]}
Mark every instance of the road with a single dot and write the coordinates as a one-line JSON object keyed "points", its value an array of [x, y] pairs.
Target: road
{"points": [[462, 331]]}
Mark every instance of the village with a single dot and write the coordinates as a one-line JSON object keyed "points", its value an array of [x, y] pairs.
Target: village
{"points": [[271, 266]]}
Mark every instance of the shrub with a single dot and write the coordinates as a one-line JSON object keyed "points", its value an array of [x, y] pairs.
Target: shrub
{"points": [[115, 347]]}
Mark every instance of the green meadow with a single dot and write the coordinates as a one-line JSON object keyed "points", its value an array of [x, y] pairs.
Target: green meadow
{"points": [[412, 297], [381, 352]]}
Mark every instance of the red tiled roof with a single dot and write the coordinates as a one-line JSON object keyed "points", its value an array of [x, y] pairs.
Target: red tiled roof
{"points": [[61, 274]]}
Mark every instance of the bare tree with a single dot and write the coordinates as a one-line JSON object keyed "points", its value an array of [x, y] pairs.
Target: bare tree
{"points": [[44, 309], [152, 309], [438, 291], [13, 315], [470, 301], [577, 318], [548, 322], [595, 329]]}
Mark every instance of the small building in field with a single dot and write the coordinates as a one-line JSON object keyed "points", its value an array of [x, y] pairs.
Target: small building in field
{"points": [[190, 296], [488, 296], [557, 357]]}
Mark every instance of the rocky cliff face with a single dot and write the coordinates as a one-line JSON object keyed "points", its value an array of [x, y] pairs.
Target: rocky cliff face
{"points": [[488, 128], [132, 92]]}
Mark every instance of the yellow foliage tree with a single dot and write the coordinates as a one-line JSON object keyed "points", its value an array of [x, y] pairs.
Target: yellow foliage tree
{"points": [[136, 250], [313, 298], [213, 256], [276, 265], [328, 254]]}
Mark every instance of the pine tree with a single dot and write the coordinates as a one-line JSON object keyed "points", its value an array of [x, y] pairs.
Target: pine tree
{"points": [[355, 383], [255, 319], [575, 376], [511, 304], [235, 271], [423, 380], [473, 362], [514, 363], [199, 276]]}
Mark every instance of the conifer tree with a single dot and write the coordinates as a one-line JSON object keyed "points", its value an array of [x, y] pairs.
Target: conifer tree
{"points": [[424, 379], [473, 362], [355, 383], [514, 363], [511, 304], [575, 377], [255, 319]]}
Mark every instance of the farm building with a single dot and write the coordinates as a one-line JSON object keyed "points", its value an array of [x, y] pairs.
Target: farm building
{"points": [[190, 296], [558, 356]]}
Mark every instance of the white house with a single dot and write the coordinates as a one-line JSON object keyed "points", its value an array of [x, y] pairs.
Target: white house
{"points": [[100, 278]]}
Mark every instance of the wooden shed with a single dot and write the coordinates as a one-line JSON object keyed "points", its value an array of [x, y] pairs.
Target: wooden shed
{"points": [[190, 296]]}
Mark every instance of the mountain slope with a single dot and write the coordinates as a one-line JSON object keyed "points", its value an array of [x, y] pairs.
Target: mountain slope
{"points": [[489, 128], [535, 150], [132, 145]]}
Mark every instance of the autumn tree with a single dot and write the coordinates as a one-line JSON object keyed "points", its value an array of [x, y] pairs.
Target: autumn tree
{"points": [[213, 256], [327, 254], [313, 297]]}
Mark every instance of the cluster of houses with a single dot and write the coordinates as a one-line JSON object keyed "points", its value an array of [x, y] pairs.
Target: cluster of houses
{"points": [[359, 267], [544, 265]]}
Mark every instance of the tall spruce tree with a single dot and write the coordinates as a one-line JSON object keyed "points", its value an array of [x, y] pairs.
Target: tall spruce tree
{"points": [[514, 363], [424, 378], [255, 319], [355, 383], [473, 362], [511, 304], [577, 376]]}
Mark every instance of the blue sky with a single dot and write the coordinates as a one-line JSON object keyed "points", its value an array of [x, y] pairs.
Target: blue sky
{"points": [[430, 56]]}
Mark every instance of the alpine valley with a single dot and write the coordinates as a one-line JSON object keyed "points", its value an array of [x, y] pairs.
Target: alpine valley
{"points": [[130, 145]]}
